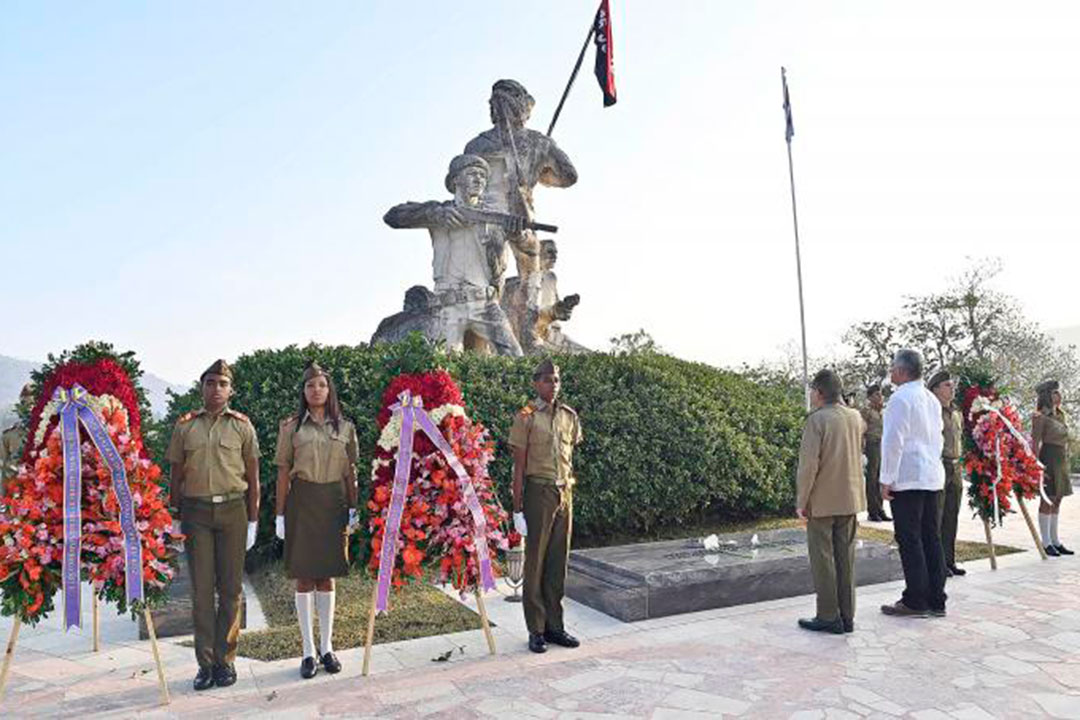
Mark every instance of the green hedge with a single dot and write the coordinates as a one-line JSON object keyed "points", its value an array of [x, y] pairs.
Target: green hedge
{"points": [[666, 441]]}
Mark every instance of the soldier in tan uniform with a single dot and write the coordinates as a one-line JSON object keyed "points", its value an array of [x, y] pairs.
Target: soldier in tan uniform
{"points": [[543, 437], [943, 386], [871, 415], [1050, 442], [316, 500], [214, 457], [830, 493], [12, 440]]}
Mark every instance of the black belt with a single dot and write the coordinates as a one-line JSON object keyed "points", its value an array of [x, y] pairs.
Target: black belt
{"points": [[216, 499]]}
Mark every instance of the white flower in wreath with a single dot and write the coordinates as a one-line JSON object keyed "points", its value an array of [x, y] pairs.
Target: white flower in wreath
{"points": [[390, 437]]}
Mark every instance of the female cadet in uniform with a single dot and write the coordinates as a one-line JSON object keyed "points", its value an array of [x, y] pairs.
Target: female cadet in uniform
{"points": [[316, 491], [1050, 441]]}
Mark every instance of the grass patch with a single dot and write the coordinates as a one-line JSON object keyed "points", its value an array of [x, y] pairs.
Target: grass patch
{"points": [[417, 610], [965, 551]]}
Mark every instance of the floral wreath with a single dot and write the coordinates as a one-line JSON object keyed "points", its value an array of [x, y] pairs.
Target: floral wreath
{"points": [[32, 513], [436, 525], [998, 460]]}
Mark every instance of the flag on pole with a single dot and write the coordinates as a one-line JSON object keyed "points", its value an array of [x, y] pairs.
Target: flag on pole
{"points": [[789, 131], [605, 70]]}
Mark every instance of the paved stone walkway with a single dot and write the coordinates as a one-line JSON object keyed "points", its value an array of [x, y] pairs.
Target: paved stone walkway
{"points": [[1009, 648]]}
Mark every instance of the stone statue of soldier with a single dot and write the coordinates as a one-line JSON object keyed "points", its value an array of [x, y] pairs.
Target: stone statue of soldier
{"points": [[552, 308], [468, 258], [519, 158], [420, 314]]}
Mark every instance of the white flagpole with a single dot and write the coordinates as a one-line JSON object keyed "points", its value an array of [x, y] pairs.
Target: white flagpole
{"points": [[789, 132]]}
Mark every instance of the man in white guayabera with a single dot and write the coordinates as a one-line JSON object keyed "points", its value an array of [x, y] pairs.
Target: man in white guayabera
{"points": [[912, 479], [468, 262]]}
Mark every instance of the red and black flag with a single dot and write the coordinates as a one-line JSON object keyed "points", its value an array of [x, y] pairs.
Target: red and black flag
{"points": [[605, 70]]}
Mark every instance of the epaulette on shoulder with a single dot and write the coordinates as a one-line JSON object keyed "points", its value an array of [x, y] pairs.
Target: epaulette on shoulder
{"points": [[286, 421], [527, 410], [188, 417], [567, 408], [239, 415]]}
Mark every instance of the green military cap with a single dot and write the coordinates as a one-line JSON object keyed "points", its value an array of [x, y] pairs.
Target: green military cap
{"points": [[939, 377], [313, 369], [220, 367], [1047, 386], [546, 367], [460, 163]]}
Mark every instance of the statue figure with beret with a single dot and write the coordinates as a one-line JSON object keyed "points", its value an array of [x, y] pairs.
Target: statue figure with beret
{"points": [[468, 262]]}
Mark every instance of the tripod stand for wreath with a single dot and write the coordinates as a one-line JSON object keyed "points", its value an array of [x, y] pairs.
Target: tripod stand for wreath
{"points": [[413, 419]]}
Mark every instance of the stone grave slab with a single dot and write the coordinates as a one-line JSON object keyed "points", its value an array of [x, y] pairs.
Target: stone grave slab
{"points": [[648, 580]]}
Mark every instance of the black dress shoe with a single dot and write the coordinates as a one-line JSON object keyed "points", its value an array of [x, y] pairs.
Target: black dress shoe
{"points": [[849, 625], [536, 643], [308, 668], [949, 571], [561, 637], [1052, 551], [224, 675], [936, 612], [836, 627], [330, 663], [958, 571], [899, 609], [884, 518], [204, 679], [1062, 550]]}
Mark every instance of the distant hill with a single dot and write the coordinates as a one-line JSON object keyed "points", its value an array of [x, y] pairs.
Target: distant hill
{"points": [[14, 373], [1067, 335]]}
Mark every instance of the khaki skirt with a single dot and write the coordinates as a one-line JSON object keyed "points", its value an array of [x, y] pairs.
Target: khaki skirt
{"points": [[316, 541], [1056, 477]]}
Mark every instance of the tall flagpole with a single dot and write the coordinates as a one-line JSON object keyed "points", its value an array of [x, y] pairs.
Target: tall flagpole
{"points": [[789, 132], [573, 76]]}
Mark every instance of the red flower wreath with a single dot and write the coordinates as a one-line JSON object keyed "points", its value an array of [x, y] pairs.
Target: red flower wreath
{"points": [[436, 524], [31, 509]]}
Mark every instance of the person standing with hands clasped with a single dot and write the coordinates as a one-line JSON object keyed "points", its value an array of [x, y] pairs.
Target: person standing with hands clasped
{"points": [[912, 479], [214, 490], [543, 437], [316, 501], [830, 493], [1050, 443]]}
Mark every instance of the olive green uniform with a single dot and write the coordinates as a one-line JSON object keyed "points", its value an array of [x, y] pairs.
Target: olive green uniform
{"points": [[320, 461], [949, 501], [1051, 431], [872, 449], [213, 451], [548, 433], [11, 444]]}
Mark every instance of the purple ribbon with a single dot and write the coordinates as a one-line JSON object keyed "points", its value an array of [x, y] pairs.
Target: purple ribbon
{"points": [[75, 409], [412, 410], [472, 501]]}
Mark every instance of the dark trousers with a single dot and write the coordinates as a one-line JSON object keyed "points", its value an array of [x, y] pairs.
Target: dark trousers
{"points": [[915, 524], [830, 542], [549, 512], [949, 509], [216, 535], [874, 505]]}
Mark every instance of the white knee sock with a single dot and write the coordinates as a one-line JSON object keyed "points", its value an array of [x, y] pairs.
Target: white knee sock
{"points": [[1044, 528], [324, 604], [303, 614], [1053, 529]]}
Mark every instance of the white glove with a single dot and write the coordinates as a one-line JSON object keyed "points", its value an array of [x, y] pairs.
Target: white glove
{"points": [[519, 524], [279, 526], [354, 517], [176, 529], [253, 528]]}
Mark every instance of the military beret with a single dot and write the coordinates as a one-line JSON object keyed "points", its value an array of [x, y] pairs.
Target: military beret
{"points": [[937, 378], [459, 163], [1047, 386], [220, 367], [546, 367]]}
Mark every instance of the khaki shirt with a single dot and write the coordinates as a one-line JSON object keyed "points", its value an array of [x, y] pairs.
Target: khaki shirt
{"points": [[213, 450], [953, 433], [548, 435], [1050, 429], [11, 442], [830, 480], [314, 451], [872, 418]]}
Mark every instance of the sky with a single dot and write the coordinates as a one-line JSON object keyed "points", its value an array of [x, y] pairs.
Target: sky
{"points": [[198, 180]]}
